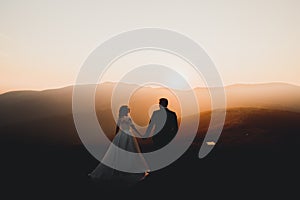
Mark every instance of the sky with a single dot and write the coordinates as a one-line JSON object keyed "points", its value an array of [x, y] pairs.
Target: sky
{"points": [[43, 44]]}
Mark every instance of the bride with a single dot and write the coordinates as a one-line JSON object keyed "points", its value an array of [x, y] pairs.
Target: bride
{"points": [[126, 140]]}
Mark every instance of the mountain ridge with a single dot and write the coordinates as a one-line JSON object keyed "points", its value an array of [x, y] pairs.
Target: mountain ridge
{"points": [[225, 86], [29, 105]]}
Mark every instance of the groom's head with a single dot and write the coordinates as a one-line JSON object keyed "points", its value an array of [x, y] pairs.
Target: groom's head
{"points": [[163, 102]]}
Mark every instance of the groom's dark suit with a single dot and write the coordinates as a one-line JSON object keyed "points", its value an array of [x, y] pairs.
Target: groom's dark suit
{"points": [[165, 126]]}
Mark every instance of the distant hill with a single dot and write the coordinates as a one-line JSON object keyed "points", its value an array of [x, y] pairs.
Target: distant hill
{"points": [[23, 106], [278, 96]]}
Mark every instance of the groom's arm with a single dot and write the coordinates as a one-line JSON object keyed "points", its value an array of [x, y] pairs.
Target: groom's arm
{"points": [[175, 123], [150, 126]]}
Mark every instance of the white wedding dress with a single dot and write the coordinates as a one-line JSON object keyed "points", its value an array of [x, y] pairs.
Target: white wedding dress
{"points": [[125, 140]]}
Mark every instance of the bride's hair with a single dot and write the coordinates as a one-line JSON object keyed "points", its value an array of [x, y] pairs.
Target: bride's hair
{"points": [[123, 111]]}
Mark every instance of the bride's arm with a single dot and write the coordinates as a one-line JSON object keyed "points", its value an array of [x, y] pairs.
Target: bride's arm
{"points": [[133, 127]]}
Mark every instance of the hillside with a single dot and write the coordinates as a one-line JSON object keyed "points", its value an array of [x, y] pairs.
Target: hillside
{"points": [[23, 106]]}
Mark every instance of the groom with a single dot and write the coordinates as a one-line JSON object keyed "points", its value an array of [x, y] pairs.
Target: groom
{"points": [[164, 122]]}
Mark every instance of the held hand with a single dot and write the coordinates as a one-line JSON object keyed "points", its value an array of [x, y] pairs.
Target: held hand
{"points": [[144, 138], [146, 135], [139, 134]]}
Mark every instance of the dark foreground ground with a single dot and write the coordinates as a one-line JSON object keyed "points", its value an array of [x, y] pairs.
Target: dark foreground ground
{"points": [[256, 157], [58, 172]]}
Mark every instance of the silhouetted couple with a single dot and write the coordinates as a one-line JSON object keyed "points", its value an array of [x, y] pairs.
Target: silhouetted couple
{"points": [[163, 127]]}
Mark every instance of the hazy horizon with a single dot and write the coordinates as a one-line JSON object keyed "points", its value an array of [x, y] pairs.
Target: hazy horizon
{"points": [[110, 82]]}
